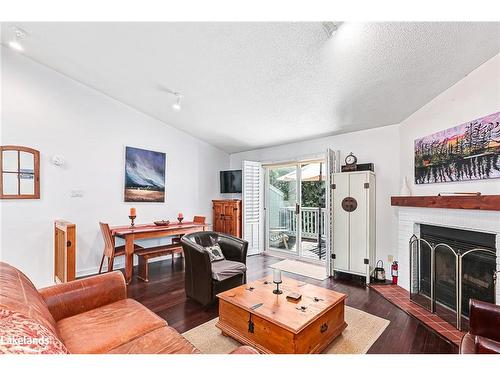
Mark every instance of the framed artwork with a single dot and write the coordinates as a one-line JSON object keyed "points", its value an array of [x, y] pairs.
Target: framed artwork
{"points": [[145, 172], [470, 151]]}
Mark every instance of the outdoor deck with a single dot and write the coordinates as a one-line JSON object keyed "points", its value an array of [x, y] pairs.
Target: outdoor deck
{"points": [[283, 235]]}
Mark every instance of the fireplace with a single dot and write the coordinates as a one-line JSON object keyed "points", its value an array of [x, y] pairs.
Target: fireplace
{"points": [[448, 266]]}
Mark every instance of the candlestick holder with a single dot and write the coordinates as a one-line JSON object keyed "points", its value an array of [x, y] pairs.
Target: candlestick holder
{"points": [[277, 290], [180, 219], [132, 218]]}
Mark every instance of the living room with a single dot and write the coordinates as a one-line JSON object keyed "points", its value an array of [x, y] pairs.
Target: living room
{"points": [[249, 187]]}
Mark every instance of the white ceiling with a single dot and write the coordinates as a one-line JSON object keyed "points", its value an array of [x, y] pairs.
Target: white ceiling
{"points": [[251, 85]]}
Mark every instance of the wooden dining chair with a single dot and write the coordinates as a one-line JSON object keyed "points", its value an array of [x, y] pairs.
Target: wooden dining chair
{"points": [[110, 251], [197, 220]]}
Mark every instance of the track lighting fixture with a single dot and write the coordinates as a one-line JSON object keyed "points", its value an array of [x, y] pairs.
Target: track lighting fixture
{"points": [[177, 105]]}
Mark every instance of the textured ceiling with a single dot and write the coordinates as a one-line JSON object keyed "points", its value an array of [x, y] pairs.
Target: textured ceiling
{"points": [[251, 85]]}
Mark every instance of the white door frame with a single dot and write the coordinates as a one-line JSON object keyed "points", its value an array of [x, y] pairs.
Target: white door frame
{"points": [[298, 200]]}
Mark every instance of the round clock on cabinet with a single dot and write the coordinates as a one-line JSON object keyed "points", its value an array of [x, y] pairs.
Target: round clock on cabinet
{"points": [[351, 159]]}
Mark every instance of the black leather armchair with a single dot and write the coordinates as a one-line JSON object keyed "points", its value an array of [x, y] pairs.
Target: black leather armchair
{"points": [[205, 279]]}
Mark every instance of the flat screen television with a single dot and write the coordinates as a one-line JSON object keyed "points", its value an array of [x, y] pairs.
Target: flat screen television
{"points": [[230, 181]]}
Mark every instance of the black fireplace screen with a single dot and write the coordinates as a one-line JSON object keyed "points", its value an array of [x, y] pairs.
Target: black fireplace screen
{"points": [[448, 267]]}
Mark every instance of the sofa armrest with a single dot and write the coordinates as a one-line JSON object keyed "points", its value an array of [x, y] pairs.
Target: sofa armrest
{"points": [[234, 249], [75, 297], [484, 319]]}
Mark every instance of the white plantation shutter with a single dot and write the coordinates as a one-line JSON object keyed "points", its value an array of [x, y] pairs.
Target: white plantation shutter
{"points": [[252, 206], [332, 166]]}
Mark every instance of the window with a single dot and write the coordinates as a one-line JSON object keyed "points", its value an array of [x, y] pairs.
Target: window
{"points": [[20, 173]]}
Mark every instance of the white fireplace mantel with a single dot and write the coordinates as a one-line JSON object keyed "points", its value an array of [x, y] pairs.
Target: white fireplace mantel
{"points": [[475, 220]]}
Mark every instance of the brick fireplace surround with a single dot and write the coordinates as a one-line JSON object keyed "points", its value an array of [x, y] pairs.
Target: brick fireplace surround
{"points": [[409, 221], [411, 217]]}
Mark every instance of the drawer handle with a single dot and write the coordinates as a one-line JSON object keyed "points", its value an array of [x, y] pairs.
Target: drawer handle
{"points": [[324, 327]]}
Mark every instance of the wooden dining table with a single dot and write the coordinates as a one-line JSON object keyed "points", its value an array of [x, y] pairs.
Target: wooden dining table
{"points": [[146, 231]]}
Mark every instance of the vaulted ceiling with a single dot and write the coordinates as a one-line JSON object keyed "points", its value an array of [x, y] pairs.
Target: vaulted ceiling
{"points": [[251, 85]]}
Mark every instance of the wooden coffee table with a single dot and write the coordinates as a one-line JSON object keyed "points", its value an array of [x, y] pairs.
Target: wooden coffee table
{"points": [[254, 316]]}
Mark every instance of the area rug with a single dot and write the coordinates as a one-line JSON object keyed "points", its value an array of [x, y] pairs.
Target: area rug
{"points": [[362, 331], [301, 268]]}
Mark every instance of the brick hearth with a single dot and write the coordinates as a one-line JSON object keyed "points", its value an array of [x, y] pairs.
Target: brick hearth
{"points": [[401, 298]]}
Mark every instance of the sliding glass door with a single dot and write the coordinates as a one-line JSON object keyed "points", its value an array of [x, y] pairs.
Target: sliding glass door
{"points": [[313, 210], [295, 209], [282, 206]]}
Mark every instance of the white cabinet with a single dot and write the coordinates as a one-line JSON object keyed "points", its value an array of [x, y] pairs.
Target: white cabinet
{"points": [[354, 223]]}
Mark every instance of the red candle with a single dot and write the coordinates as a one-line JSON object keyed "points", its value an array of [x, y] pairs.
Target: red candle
{"points": [[132, 211], [180, 216]]}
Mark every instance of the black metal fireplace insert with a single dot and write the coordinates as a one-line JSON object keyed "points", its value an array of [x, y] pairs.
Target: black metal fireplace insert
{"points": [[449, 266]]}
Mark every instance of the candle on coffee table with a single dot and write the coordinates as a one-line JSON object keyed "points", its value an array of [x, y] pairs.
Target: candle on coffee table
{"points": [[132, 211], [276, 276]]}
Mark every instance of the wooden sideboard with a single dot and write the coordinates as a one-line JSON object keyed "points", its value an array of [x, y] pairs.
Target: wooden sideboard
{"points": [[227, 216]]}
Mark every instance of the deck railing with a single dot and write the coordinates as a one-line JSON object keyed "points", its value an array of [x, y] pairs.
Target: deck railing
{"points": [[310, 220]]}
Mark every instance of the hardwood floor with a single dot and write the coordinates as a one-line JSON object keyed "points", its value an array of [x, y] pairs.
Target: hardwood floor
{"points": [[164, 294]]}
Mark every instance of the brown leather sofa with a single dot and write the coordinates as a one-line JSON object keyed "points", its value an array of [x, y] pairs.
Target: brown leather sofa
{"points": [[205, 279], [91, 315], [484, 332]]}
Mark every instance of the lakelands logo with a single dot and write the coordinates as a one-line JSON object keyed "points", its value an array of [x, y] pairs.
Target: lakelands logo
{"points": [[24, 340]]}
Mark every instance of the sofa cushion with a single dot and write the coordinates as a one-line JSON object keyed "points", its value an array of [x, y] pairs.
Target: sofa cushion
{"points": [[165, 340], [108, 327], [224, 269], [17, 293], [20, 334]]}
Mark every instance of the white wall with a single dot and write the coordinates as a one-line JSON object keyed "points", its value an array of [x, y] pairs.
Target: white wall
{"points": [[380, 146], [475, 96], [56, 115]]}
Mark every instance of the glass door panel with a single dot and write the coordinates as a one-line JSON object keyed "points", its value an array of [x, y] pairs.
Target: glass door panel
{"points": [[313, 210], [282, 209]]}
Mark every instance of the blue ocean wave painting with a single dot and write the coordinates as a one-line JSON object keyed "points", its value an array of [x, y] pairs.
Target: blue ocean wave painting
{"points": [[144, 175]]}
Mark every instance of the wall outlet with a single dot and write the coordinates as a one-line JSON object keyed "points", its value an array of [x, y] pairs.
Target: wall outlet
{"points": [[76, 193], [390, 258]]}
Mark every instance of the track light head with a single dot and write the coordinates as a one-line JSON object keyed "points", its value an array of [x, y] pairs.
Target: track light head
{"points": [[177, 105], [17, 35]]}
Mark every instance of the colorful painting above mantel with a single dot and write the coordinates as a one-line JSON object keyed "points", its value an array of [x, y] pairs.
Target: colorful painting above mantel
{"points": [[470, 151], [144, 175]]}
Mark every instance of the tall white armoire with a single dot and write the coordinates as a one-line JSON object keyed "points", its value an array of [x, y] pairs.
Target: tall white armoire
{"points": [[354, 223]]}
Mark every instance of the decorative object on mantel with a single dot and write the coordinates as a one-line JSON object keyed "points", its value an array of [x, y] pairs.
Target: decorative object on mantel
{"points": [[132, 216], [405, 188], [144, 175], [470, 151], [180, 217], [19, 173], [464, 202], [162, 223]]}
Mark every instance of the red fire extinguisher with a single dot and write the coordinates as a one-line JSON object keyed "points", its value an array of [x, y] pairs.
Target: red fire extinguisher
{"points": [[394, 272]]}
